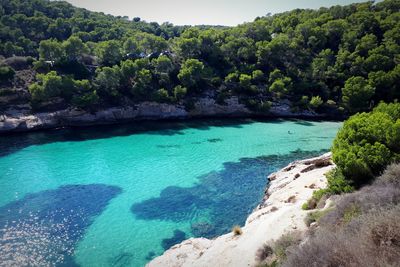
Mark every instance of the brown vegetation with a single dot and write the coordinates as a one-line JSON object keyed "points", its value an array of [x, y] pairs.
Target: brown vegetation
{"points": [[276, 251], [362, 230], [237, 230], [291, 199]]}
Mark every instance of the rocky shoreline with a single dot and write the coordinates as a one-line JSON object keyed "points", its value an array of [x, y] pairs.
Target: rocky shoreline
{"points": [[279, 212], [22, 119]]}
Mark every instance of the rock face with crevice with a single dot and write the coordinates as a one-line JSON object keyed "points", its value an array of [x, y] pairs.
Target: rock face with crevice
{"points": [[279, 212]]}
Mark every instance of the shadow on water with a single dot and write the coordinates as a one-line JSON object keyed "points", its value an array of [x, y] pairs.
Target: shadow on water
{"points": [[151, 255], [220, 200], [177, 238], [304, 123], [122, 260], [13, 142], [43, 228]]}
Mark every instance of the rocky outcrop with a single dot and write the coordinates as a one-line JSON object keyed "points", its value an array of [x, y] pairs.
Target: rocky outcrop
{"points": [[283, 109], [208, 107], [22, 120], [17, 120], [279, 212]]}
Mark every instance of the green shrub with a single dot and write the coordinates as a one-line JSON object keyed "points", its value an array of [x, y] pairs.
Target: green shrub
{"points": [[191, 73], [303, 102], [245, 81], [357, 93], [251, 104], [41, 66], [264, 106], [216, 81], [108, 80], [393, 109], [6, 73], [330, 103], [337, 184], [350, 213], [252, 90], [162, 96], [257, 105], [180, 92], [316, 102], [232, 77], [315, 198], [317, 195], [367, 143], [315, 216], [258, 76], [49, 85], [86, 100]]}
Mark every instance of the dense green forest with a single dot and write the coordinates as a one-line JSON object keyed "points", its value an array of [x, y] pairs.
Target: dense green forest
{"points": [[342, 59]]}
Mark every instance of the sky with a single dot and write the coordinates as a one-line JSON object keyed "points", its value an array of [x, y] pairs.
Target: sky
{"points": [[196, 12]]}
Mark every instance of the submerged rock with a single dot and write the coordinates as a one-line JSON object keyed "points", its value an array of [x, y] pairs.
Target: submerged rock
{"points": [[43, 228], [279, 212]]}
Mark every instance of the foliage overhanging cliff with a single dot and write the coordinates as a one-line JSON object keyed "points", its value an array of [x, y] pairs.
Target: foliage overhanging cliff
{"points": [[341, 59]]}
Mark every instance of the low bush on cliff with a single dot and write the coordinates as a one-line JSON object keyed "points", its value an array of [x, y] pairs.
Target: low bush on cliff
{"points": [[6, 73], [367, 143], [274, 252], [337, 184], [369, 240], [315, 216], [237, 230], [362, 229]]}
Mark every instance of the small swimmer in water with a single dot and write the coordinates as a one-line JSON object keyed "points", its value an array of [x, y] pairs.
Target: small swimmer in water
{"points": [[289, 132]]}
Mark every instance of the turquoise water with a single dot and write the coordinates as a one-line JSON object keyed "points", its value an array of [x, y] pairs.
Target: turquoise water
{"points": [[120, 195]]}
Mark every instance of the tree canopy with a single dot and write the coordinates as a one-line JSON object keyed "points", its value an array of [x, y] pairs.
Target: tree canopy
{"points": [[368, 142], [341, 59]]}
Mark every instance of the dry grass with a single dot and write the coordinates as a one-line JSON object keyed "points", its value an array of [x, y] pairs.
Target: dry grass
{"points": [[315, 216], [274, 209], [264, 252], [291, 199], [362, 230], [391, 176], [369, 240], [237, 230], [274, 252], [383, 193]]}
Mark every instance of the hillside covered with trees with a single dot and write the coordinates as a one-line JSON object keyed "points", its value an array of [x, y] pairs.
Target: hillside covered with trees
{"points": [[342, 59]]}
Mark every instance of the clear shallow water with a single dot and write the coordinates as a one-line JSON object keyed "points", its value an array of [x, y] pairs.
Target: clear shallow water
{"points": [[120, 195]]}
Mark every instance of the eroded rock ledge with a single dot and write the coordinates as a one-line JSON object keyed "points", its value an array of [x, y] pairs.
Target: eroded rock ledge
{"points": [[279, 212], [21, 119]]}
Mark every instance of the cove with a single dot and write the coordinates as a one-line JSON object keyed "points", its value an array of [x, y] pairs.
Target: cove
{"points": [[121, 195]]}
